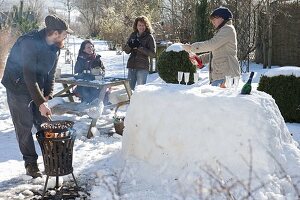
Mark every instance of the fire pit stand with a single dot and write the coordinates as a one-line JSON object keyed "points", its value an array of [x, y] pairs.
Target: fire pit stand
{"points": [[57, 154]]}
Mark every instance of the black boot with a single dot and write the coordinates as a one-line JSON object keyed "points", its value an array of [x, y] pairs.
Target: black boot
{"points": [[33, 170]]}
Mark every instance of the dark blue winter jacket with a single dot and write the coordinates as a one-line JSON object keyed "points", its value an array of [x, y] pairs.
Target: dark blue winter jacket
{"points": [[31, 66]]}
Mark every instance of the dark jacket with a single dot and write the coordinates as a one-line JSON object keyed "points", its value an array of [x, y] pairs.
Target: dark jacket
{"points": [[139, 58], [31, 66], [87, 62]]}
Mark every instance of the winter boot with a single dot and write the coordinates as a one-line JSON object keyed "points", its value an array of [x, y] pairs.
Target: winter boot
{"points": [[33, 170]]}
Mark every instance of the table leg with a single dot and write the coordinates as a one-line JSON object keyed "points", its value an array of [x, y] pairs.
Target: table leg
{"points": [[93, 124], [94, 120], [70, 97], [67, 91], [128, 89]]}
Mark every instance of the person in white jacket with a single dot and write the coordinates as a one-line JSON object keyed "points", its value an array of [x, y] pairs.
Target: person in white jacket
{"points": [[223, 47]]}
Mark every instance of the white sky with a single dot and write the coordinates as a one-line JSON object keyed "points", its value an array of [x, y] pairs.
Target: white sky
{"points": [[167, 128]]}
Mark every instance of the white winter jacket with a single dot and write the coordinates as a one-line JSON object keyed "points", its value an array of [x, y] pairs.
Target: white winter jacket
{"points": [[224, 53]]}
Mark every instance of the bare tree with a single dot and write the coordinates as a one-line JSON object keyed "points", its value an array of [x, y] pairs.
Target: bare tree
{"points": [[178, 18], [91, 12], [1, 2], [113, 19], [37, 7]]}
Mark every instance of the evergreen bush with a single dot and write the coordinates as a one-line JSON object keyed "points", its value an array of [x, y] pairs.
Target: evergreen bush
{"points": [[286, 92], [203, 28], [22, 21], [169, 63]]}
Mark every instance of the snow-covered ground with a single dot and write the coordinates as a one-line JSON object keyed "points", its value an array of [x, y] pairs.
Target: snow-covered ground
{"points": [[103, 169]]}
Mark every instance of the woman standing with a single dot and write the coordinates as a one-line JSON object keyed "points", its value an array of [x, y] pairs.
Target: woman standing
{"points": [[223, 48], [140, 46]]}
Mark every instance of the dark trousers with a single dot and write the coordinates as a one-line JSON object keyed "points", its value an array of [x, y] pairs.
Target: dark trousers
{"points": [[24, 115]]}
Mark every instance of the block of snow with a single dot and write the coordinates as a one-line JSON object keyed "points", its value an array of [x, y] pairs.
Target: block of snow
{"points": [[181, 128]]}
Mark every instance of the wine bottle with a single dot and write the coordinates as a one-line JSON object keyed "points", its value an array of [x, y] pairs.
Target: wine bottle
{"points": [[247, 87]]}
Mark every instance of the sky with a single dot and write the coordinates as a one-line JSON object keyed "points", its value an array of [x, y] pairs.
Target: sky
{"points": [[180, 142]]}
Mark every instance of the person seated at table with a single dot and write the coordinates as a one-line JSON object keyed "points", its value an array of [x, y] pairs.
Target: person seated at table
{"points": [[88, 60]]}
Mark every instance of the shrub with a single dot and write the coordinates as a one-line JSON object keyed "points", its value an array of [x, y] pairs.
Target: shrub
{"points": [[169, 63], [286, 92]]}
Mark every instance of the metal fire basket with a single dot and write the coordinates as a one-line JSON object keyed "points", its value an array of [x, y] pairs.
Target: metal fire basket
{"points": [[56, 140]]}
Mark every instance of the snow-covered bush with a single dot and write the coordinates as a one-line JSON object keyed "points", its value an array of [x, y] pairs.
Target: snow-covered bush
{"points": [[169, 63], [286, 92]]}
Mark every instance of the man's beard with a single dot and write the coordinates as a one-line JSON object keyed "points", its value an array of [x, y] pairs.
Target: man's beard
{"points": [[60, 44]]}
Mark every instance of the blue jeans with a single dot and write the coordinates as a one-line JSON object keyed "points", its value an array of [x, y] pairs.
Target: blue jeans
{"points": [[217, 82], [137, 77]]}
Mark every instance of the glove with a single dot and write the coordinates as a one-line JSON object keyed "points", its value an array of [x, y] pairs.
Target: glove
{"points": [[199, 62], [134, 43], [196, 60]]}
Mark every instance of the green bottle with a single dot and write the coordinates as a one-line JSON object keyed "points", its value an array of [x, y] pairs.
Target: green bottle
{"points": [[247, 87]]}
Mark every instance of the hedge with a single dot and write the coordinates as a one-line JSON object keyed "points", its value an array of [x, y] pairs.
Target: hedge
{"points": [[169, 63], [286, 92]]}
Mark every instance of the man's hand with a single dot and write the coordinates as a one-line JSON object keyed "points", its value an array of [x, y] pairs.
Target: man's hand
{"points": [[45, 110]]}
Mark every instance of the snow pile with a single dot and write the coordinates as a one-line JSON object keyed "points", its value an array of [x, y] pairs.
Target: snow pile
{"points": [[179, 130], [175, 47], [286, 71]]}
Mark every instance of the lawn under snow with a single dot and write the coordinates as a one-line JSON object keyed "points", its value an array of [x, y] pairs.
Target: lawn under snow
{"points": [[180, 142]]}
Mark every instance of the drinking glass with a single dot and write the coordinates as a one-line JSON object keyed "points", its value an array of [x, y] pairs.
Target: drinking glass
{"points": [[228, 81], [186, 77], [179, 77], [236, 81], [196, 77]]}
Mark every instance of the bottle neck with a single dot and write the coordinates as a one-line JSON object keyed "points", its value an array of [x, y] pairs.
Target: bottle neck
{"points": [[250, 78], [249, 81]]}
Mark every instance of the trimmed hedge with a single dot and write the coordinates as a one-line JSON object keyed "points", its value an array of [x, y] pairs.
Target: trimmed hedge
{"points": [[169, 63], [286, 92]]}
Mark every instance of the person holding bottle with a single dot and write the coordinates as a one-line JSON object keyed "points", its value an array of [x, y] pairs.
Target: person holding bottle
{"points": [[140, 46], [223, 47]]}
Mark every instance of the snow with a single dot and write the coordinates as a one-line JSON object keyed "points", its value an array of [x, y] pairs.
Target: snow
{"points": [[285, 71], [179, 142], [175, 47], [215, 127]]}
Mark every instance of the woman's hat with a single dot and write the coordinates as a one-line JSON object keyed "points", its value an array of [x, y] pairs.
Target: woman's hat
{"points": [[55, 23], [222, 12]]}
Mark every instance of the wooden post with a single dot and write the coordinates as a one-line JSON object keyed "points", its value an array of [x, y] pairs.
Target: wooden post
{"points": [[269, 15]]}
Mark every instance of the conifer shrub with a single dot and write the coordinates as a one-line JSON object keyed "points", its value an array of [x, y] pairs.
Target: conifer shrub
{"points": [[286, 92], [169, 63]]}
